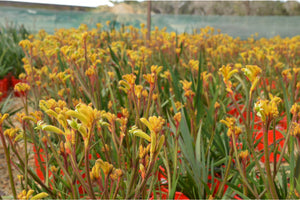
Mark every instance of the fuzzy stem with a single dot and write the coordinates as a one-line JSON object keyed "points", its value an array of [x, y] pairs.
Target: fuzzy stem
{"points": [[32, 174], [87, 171], [244, 179], [7, 156], [60, 163], [267, 162], [226, 173]]}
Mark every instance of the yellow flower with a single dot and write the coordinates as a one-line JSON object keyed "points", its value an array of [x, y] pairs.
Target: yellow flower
{"points": [[145, 93], [3, 117], [143, 151], [154, 124], [25, 43], [117, 173], [178, 105], [296, 70], [227, 72], [61, 92], [156, 69], [166, 74], [244, 154], [232, 128], [22, 87], [11, 133], [105, 166], [177, 117], [194, 65], [110, 117], [22, 76], [217, 105], [267, 110], [111, 75], [130, 78], [287, 74], [125, 112], [295, 109], [205, 75], [252, 72], [279, 65], [154, 97], [238, 65], [39, 196], [53, 169], [138, 91], [295, 129], [189, 93], [186, 85], [138, 132], [127, 83], [91, 71], [27, 195], [150, 78]]}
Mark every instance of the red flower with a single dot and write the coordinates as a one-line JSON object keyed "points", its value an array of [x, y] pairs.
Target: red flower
{"points": [[260, 146], [164, 194], [273, 83], [119, 115]]}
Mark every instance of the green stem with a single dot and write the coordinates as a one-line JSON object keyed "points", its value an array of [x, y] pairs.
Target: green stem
{"points": [[168, 170], [226, 173], [174, 178], [267, 163], [141, 187], [7, 157], [76, 170], [33, 175], [282, 152], [117, 189], [149, 102], [87, 171], [60, 163], [26, 156], [132, 179], [151, 186], [244, 179], [249, 133]]}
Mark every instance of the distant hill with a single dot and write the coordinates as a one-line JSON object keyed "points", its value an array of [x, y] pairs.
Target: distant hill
{"points": [[236, 8]]}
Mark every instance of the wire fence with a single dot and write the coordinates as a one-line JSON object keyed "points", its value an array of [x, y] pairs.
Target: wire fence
{"points": [[235, 26]]}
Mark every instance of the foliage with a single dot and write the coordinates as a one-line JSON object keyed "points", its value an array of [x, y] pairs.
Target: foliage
{"points": [[11, 53]]}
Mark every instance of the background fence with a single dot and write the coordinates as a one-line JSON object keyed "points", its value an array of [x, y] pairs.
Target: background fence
{"points": [[236, 26]]}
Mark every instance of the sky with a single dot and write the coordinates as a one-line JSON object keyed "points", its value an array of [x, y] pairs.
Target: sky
{"points": [[87, 3]]}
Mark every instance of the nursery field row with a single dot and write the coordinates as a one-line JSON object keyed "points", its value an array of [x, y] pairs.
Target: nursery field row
{"points": [[111, 114]]}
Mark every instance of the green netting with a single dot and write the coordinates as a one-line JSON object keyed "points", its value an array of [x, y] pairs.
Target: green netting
{"points": [[236, 26]]}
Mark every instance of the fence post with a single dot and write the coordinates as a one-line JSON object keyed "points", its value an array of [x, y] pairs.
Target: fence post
{"points": [[149, 20]]}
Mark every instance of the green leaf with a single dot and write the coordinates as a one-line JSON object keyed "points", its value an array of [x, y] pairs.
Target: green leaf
{"points": [[116, 61], [175, 78], [198, 100]]}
